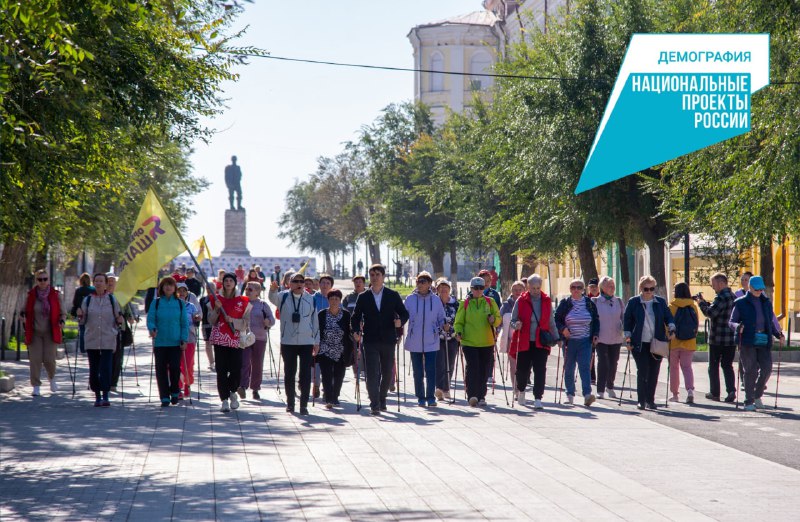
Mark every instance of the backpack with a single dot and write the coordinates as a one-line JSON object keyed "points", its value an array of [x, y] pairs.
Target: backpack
{"points": [[488, 302], [114, 307], [686, 323]]}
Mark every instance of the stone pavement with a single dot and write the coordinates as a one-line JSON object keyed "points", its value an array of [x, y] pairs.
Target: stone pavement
{"points": [[62, 459]]}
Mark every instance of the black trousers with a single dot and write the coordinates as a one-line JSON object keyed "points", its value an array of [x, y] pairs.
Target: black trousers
{"points": [[332, 373], [647, 368], [100, 371], [446, 360], [479, 360], [290, 354], [721, 356], [535, 358], [168, 370], [229, 370], [607, 361], [379, 360]]}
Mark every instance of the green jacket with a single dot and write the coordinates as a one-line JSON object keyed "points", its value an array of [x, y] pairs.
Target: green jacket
{"points": [[472, 324]]}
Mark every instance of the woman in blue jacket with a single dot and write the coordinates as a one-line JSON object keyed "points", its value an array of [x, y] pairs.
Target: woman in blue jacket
{"points": [[425, 320], [169, 327], [647, 317]]}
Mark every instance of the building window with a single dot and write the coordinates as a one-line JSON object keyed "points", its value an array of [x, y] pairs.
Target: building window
{"points": [[437, 78], [481, 63]]}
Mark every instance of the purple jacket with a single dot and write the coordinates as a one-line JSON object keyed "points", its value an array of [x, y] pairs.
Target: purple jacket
{"points": [[425, 319]]}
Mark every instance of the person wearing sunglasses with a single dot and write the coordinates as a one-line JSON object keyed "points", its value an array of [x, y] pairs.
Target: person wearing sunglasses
{"points": [[647, 317], [579, 325], [425, 319], [44, 320], [753, 320], [261, 320]]}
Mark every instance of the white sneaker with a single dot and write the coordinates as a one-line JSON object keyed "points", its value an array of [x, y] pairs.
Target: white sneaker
{"points": [[53, 386], [521, 398], [482, 403], [439, 394], [600, 396], [225, 408], [674, 398], [234, 402], [570, 399], [537, 405], [588, 399], [611, 394], [36, 392], [759, 404]]}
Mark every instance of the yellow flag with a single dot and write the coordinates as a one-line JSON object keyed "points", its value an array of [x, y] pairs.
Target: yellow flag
{"points": [[201, 247], [154, 242], [303, 268]]}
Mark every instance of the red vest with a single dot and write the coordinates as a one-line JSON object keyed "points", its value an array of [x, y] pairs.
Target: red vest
{"points": [[55, 315], [520, 339]]}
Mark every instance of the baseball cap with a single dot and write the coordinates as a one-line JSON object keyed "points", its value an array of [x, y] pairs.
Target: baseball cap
{"points": [[757, 283], [477, 282]]}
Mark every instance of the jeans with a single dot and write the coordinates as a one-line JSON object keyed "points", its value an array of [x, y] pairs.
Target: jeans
{"points": [[229, 370], [81, 332], [479, 359], [446, 363], [607, 359], [537, 359], [647, 368], [332, 377], [168, 370], [757, 364], [721, 356], [100, 371], [578, 351], [424, 366], [379, 361], [253, 365], [290, 354]]}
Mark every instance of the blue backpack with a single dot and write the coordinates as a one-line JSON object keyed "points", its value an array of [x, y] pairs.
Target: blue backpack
{"points": [[686, 323]]}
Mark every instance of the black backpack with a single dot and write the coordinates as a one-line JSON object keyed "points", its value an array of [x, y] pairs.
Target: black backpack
{"points": [[686, 323]]}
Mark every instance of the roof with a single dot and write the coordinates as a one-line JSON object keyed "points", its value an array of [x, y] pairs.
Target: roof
{"points": [[487, 18]]}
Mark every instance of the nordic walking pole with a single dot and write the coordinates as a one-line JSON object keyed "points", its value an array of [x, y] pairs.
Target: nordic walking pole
{"points": [[454, 381], [778, 378], [502, 377], [358, 377], [739, 347], [152, 367], [669, 367], [624, 374], [133, 352], [271, 357], [397, 384]]}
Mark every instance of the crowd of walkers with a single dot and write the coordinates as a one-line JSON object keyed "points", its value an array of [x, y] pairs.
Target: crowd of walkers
{"points": [[323, 332]]}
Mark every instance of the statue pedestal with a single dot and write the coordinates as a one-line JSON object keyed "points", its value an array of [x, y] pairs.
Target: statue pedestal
{"points": [[236, 233]]}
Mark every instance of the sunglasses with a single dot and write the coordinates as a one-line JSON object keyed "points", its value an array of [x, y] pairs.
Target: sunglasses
{"points": [[42, 279], [576, 287], [420, 281], [479, 287], [649, 289], [298, 282]]}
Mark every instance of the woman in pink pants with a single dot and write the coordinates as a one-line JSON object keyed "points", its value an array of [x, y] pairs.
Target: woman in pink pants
{"points": [[684, 344]]}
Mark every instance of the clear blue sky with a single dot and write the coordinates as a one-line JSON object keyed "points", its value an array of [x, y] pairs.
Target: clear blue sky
{"points": [[281, 116]]}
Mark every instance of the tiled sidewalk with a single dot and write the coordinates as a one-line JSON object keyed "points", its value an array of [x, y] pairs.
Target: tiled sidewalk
{"points": [[62, 459]]}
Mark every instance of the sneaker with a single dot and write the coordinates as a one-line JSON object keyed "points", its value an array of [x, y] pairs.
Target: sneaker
{"points": [[600, 395], [446, 395], [749, 407], [690, 398], [674, 398], [611, 394], [537, 404], [36, 392], [256, 395], [105, 404], [53, 386], [439, 394], [473, 401], [570, 399], [98, 403], [432, 404], [759, 404], [482, 403], [165, 403], [521, 398], [225, 407], [375, 411], [234, 402], [731, 397], [710, 396], [174, 398], [639, 406], [652, 406], [421, 404], [383, 406], [588, 400], [290, 408], [242, 392]]}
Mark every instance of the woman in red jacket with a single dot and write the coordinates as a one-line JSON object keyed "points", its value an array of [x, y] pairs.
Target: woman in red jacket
{"points": [[44, 319]]}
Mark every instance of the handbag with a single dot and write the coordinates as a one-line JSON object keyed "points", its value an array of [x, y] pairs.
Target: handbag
{"points": [[126, 336], [761, 339], [657, 347], [546, 337], [246, 338]]}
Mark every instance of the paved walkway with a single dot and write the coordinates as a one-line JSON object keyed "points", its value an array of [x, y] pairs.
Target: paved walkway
{"points": [[62, 459]]}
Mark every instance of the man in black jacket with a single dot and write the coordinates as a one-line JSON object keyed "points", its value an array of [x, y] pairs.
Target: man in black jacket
{"points": [[382, 311], [192, 283]]}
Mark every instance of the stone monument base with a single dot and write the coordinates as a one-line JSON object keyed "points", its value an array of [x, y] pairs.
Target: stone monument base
{"points": [[235, 233]]}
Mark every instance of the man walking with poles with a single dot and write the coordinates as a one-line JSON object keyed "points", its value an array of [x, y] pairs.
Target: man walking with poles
{"points": [[382, 311]]}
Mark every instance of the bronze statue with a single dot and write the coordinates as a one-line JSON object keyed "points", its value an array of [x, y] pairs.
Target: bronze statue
{"points": [[233, 179]]}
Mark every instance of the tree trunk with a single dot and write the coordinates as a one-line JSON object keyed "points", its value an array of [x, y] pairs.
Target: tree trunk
{"points": [[658, 267], [374, 253], [437, 261], [586, 256], [453, 266], [767, 266], [508, 268], [103, 261], [624, 269], [13, 269], [327, 268]]}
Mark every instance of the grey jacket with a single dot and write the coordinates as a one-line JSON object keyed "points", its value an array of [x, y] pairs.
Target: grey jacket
{"points": [[306, 332], [100, 322]]}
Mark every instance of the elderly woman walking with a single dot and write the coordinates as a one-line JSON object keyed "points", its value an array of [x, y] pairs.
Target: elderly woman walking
{"points": [[578, 324], [168, 324], [448, 344], [647, 319], [335, 346], [425, 320], [44, 320], [610, 312], [261, 320]]}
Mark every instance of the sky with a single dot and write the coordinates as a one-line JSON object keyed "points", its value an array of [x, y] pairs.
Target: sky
{"points": [[282, 116]]}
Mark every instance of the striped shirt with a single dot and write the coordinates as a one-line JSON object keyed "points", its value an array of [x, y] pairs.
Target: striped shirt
{"points": [[579, 320]]}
